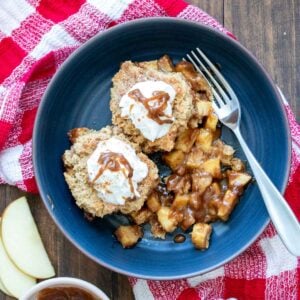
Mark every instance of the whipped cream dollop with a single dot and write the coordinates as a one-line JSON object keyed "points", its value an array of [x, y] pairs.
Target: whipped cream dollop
{"points": [[139, 114], [114, 170]]}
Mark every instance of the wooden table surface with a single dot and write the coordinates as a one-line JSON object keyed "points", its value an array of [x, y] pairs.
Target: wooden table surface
{"points": [[268, 28]]}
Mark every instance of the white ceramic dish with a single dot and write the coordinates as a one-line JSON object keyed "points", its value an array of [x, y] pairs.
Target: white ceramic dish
{"points": [[64, 282]]}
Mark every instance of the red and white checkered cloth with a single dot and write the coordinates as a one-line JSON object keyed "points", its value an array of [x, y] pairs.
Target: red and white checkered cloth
{"points": [[36, 36]]}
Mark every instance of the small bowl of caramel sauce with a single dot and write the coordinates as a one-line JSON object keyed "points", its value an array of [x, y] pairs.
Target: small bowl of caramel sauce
{"points": [[64, 288]]}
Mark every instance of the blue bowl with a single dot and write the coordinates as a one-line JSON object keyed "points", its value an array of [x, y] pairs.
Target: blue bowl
{"points": [[78, 95]]}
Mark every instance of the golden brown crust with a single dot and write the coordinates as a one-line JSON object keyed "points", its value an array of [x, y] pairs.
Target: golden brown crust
{"points": [[131, 73], [77, 178]]}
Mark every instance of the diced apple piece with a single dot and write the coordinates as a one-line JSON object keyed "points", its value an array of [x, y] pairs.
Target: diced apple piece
{"points": [[156, 228], [186, 140], [153, 202], [15, 282], [179, 184], [204, 139], [142, 216], [203, 108], [200, 181], [227, 150], [166, 219], [195, 158], [128, 235], [188, 220], [227, 155], [238, 179], [22, 241], [212, 196], [194, 121], [229, 201], [213, 167], [216, 188], [201, 235], [165, 64], [196, 80], [178, 216], [211, 122], [212, 192], [174, 159], [195, 202], [237, 165], [181, 201]]}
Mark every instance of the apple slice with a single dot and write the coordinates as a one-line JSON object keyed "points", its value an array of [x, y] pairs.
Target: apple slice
{"points": [[22, 241], [14, 281], [3, 289]]}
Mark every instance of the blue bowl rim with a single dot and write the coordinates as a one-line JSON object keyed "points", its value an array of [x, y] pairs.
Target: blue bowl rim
{"points": [[127, 26]]}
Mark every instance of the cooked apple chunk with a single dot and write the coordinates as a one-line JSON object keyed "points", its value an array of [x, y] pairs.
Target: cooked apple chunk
{"points": [[128, 235], [195, 158], [204, 139], [188, 220], [211, 122], [238, 179], [201, 235], [153, 202], [226, 158], [166, 219], [213, 191], [200, 181], [156, 229], [203, 108], [213, 167], [237, 165], [165, 64], [174, 159], [229, 201], [196, 80], [179, 184], [181, 201], [186, 140]]}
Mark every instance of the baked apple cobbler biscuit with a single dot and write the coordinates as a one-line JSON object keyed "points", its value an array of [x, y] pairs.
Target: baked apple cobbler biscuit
{"points": [[106, 173], [150, 105]]}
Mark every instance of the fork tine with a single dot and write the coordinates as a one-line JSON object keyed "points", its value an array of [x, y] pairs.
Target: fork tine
{"points": [[217, 73], [216, 107], [211, 77], [218, 98]]}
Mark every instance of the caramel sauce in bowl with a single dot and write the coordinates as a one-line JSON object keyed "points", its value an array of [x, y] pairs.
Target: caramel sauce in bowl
{"points": [[64, 288], [64, 293]]}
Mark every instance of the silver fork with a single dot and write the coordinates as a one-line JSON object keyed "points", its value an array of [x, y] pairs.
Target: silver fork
{"points": [[227, 108]]}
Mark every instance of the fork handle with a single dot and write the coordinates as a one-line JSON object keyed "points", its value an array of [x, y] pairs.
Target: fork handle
{"points": [[280, 213]]}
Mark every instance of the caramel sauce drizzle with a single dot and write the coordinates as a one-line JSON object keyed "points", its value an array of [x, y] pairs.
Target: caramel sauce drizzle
{"points": [[155, 105], [115, 162]]}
